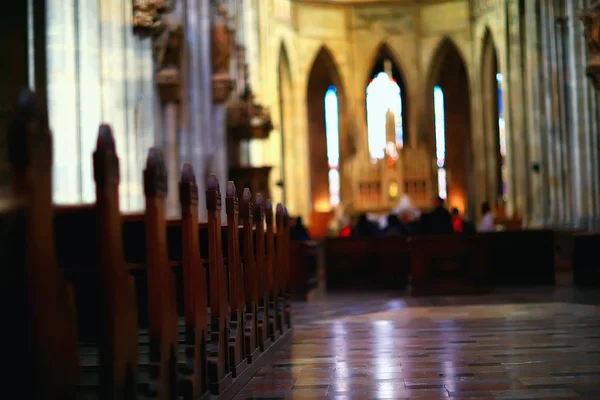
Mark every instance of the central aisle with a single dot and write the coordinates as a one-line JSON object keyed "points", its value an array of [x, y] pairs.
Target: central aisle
{"points": [[521, 345]]}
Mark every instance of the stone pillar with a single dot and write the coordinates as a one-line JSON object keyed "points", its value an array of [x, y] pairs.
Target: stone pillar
{"points": [[588, 145], [517, 147], [537, 201]]}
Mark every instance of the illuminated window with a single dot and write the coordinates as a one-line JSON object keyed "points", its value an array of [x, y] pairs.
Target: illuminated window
{"points": [[440, 140], [383, 94], [502, 136], [332, 133]]}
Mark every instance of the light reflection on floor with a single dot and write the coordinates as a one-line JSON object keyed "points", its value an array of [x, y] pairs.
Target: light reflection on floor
{"points": [[521, 345]]}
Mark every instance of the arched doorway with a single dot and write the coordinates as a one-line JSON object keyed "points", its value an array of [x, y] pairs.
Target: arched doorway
{"points": [[385, 90], [325, 105], [449, 115], [285, 117], [493, 122]]}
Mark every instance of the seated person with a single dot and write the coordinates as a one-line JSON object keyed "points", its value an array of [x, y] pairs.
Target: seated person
{"points": [[365, 228], [457, 221], [488, 221], [438, 221], [299, 231], [394, 226]]}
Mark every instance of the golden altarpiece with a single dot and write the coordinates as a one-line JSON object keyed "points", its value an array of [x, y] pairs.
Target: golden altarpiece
{"points": [[379, 184]]}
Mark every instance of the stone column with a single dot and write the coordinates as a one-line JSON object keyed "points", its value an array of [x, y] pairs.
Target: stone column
{"points": [[589, 148], [516, 145], [537, 201]]}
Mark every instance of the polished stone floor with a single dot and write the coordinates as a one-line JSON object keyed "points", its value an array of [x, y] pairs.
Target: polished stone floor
{"points": [[513, 344]]}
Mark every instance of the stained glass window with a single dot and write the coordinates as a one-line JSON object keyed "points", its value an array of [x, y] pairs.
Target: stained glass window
{"points": [[440, 140], [383, 94], [332, 133], [502, 136]]}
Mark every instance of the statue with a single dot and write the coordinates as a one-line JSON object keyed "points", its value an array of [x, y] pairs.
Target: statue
{"points": [[591, 20], [147, 16], [167, 52], [222, 43]]}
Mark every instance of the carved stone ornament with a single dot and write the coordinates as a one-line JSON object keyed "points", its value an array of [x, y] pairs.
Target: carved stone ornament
{"points": [[591, 20], [167, 51], [248, 120], [147, 16], [222, 44]]}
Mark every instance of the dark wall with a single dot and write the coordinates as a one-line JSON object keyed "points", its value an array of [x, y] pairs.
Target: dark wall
{"points": [[14, 68]]}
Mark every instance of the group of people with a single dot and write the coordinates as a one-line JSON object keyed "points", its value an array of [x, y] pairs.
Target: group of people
{"points": [[407, 222]]}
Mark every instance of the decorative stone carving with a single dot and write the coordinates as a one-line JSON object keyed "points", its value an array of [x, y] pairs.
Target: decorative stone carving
{"points": [[483, 6], [392, 20], [222, 45], [167, 50], [248, 120], [147, 16], [591, 20]]}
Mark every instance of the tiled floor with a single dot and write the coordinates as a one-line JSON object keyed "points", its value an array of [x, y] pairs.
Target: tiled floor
{"points": [[514, 344]]}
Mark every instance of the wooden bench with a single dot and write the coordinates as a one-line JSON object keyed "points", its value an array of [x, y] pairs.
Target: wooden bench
{"points": [[442, 264], [367, 263], [153, 297], [521, 257], [306, 269], [448, 264], [586, 267]]}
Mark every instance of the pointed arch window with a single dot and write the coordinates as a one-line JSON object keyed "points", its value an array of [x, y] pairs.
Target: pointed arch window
{"points": [[440, 140], [383, 95], [332, 133], [502, 137]]}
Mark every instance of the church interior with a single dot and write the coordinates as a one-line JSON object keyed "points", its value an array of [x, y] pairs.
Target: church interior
{"points": [[301, 199]]}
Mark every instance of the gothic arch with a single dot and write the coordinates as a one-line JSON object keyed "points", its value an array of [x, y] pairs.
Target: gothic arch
{"points": [[384, 52], [448, 70], [323, 74], [490, 113]]}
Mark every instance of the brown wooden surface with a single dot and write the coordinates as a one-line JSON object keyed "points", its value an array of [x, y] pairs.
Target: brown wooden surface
{"points": [[468, 264], [237, 356], [262, 271], [44, 310], [271, 264], [250, 285], [117, 317], [195, 379], [218, 351], [162, 306], [113, 296]]}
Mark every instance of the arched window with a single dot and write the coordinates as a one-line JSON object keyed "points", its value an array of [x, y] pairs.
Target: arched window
{"points": [[440, 140], [383, 94], [502, 137], [332, 133]]}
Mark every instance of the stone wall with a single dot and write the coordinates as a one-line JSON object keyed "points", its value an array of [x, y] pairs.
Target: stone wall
{"points": [[550, 109]]}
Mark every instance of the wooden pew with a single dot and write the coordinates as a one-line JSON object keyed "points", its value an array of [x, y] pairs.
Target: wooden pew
{"points": [[586, 268], [262, 271], [135, 251], [367, 263], [521, 257], [236, 284], [195, 377], [305, 268], [448, 264], [42, 357], [153, 313]]}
